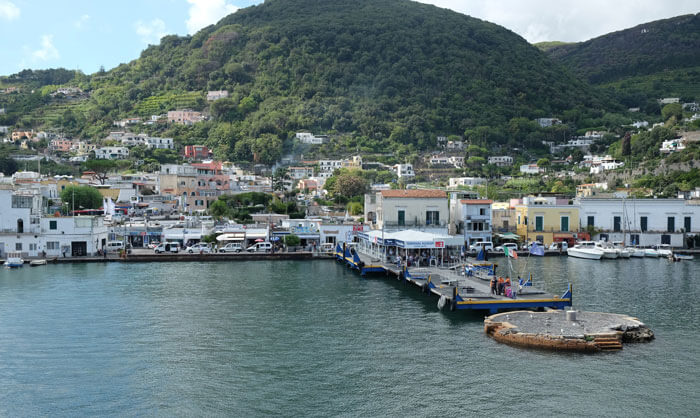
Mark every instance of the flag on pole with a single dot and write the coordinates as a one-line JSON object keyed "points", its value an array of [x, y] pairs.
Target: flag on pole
{"points": [[510, 253], [536, 249]]}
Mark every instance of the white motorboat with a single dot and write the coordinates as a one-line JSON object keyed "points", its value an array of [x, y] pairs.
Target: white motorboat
{"points": [[636, 252], [622, 251], [585, 249], [650, 252], [608, 250], [39, 262], [14, 260], [664, 250]]}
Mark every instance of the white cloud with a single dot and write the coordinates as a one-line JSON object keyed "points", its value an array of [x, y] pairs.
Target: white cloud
{"points": [[572, 21], [47, 51], [150, 32], [205, 12], [81, 21], [8, 10]]}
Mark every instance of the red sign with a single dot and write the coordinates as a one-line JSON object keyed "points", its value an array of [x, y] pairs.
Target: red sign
{"points": [[358, 228], [439, 244]]}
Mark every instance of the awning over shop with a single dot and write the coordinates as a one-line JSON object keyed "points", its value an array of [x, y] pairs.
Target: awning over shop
{"points": [[256, 233], [509, 235], [412, 239], [231, 236]]}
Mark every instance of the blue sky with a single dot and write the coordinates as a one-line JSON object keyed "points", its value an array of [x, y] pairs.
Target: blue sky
{"points": [[87, 34]]}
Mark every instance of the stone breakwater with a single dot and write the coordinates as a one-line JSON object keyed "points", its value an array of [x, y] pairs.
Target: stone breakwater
{"points": [[566, 331]]}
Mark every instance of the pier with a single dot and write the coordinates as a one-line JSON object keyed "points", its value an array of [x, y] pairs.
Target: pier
{"points": [[453, 287]]}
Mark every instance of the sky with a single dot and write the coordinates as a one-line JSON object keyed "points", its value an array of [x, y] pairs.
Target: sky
{"points": [[88, 34]]}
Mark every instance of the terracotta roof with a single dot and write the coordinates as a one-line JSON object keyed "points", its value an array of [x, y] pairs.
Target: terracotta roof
{"points": [[414, 194], [476, 201]]}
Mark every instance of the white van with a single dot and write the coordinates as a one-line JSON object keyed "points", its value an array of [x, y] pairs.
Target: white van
{"points": [[114, 246], [172, 247], [260, 247], [477, 246]]}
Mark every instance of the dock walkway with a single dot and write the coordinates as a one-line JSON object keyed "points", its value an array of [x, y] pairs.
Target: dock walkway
{"points": [[454, 288]]}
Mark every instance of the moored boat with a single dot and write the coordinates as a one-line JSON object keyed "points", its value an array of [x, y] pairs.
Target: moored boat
{"points": [[683, 256], [622, 251], [40, 262], [607, 249], [636, 252], [14, 260], [650, 252], [664, 250], [585, 249]]}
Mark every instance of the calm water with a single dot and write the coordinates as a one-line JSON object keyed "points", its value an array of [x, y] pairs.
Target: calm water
{"points": [[314, 339]]}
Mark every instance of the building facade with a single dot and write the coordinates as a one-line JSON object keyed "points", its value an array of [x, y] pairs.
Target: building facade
{"points": [[407, 209], [544, 220]]}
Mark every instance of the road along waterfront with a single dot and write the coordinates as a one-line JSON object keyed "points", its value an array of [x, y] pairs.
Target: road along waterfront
{"points": [[314, 338]]}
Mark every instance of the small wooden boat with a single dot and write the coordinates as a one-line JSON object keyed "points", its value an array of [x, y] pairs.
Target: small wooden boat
{"points": [[683, 257], [40, 262]]}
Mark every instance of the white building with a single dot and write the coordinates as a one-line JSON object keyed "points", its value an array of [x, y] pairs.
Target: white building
{"points": [[672, 145], [455, 182], [111, 153], [309, 138], [329, 166], [669, 100], [407, 209], [501, 160], [531, 169], [547, 122], [600, 164], [216, 95], [643, 222], [404, 171], [640, 124], [25, 229], [472, 218]]}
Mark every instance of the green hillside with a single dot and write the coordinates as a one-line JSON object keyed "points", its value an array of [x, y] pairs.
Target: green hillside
{"points": [[547, 45], [662, 55], [387, 73]]}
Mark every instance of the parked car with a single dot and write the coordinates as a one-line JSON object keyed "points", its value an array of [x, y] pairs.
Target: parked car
{"points": [[231, 247], [477, 246], [170, 247], [200, 247], [510, 245], [153, 245], [114, 246], [559, 245], [260, 247]]}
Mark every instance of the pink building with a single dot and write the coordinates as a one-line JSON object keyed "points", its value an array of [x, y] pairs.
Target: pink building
{"points": [[61, 145]]}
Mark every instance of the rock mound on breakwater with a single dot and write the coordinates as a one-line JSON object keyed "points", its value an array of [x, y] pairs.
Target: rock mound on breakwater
{"points": [[567, 330]]}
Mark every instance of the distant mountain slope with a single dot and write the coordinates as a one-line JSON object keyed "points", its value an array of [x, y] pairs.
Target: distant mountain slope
{"points": [[362, 65], [547, 45], [650, 48]]}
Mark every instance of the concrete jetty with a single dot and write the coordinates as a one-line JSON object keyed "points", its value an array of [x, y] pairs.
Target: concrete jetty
{"points": [[453, 288], [566, 330]]}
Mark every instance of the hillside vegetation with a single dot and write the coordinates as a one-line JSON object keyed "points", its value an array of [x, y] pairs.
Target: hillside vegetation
{"points": [[387, 74]]}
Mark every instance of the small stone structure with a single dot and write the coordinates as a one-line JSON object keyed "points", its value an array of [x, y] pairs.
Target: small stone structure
{"points": [[566, 330]]}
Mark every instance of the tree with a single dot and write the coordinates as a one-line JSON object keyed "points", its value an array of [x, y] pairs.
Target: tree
{"points": [[349, 185], [101, 168], [543, 162], [627, 144], [8, 166], [355, 208], [278, 179], [219, 209], [81, 197], [292, 240], [672, 109]]}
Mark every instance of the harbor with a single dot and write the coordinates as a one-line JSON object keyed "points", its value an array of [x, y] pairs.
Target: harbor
{"points": [[454, 286]]}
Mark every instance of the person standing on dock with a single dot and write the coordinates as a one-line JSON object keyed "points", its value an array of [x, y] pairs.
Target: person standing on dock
{"points": [[501, 284], [493, 285]]}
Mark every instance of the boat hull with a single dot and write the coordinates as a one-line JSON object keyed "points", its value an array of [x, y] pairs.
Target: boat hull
{"points": [[586, 254]]}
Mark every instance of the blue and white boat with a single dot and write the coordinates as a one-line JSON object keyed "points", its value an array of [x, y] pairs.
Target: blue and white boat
{"points": [[14, 260]]}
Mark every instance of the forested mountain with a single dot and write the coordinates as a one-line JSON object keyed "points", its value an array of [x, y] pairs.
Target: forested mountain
{"points": [[387, 73], [657, 59]]}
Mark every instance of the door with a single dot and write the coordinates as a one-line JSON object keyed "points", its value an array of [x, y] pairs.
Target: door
{"points": [[78, 248], [565, 224], [539, 223], [402, 218], [617, 224]]}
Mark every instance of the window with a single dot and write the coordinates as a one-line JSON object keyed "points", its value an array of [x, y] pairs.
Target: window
{"points": [[402, 218], [666, 239], [18, 246], [518, 219], [539, 223], [53, 225], [686, 224], [634, 239], [432, 217], [643, 223], [591, 221], [671, 224], [482, 211], [617, 224], [20, 226], [32, 247], [52, 245], [565, 224]]}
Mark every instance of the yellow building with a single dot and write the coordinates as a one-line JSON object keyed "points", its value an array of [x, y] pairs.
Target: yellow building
{"points": [[543, 220]]}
